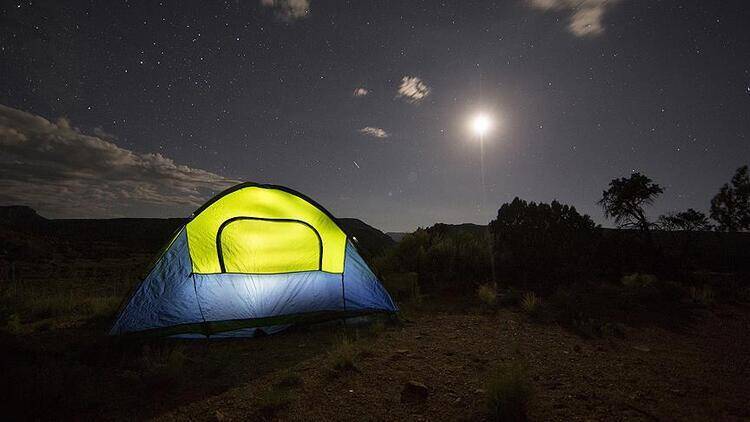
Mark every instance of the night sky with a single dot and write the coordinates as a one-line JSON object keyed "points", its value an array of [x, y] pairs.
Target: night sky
{"points": [[147, 108]]}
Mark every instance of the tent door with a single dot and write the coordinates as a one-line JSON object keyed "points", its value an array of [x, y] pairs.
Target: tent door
{"points": [[254, 245]]}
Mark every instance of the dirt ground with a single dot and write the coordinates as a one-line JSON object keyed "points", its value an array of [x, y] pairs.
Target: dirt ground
{"points": [[697, 373]]}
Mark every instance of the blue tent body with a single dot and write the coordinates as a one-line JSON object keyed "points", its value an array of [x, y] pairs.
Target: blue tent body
{"points": [[176, 300]]}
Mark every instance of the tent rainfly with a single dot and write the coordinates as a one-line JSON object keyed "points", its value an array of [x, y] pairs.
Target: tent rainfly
{"points": [[255, 258]]}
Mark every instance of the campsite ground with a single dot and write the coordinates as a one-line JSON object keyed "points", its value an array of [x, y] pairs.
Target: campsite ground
{"points": [[62, 367], [58, 299]]}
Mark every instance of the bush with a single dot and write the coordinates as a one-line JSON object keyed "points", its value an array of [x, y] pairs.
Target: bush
{"points": [[541, 245], [403, 286], [487, 293], [443, 257], [508, 393]]}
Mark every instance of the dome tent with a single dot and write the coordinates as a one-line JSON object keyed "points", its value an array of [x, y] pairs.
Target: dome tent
{"points": [[253, 257]]}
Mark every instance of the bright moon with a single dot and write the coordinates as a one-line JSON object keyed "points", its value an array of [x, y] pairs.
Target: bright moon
{"points": [[481, 124]]}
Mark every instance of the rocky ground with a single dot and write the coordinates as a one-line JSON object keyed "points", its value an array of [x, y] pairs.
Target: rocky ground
{"points": [[699, 372]]}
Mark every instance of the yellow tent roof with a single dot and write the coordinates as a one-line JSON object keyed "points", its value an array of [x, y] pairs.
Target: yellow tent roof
{"points": [[264, 229]]}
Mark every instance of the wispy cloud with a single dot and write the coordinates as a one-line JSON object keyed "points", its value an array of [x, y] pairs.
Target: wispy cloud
{"points": [[375, 132], [413, 89], [361, 91], [288, 10], [585, 15], [62, 172]]}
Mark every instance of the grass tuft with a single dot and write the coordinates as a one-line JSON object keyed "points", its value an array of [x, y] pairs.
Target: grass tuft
{"points": [[531, 304], [343, 356]]}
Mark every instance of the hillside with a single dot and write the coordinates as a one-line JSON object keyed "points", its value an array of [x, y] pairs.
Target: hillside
{"points": [[24, 233]]}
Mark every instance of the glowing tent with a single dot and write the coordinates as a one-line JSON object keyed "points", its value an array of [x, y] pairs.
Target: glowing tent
{"points": [[255, 257]]}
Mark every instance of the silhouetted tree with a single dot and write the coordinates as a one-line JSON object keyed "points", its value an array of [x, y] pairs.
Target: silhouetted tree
{"points": [[731, 206], [542, 245], [625, 199], [690, 220]]}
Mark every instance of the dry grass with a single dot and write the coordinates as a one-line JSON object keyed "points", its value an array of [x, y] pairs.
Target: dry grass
{"points": [[531, 304], [343, 356], [25, 306]]}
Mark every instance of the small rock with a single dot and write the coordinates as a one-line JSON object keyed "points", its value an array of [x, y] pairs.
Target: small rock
{"points": [[414, 392], [480, 391], [402, 351], [642, 348]]}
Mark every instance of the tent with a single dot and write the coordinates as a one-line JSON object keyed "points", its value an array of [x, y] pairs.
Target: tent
{"points": [[255, 258]]}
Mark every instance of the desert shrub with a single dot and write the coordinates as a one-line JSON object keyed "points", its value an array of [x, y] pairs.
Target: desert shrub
{"points": [[508, 393], [343, 356], [487, 294], [541, 245], [702, 296], [443, 257], [647, 290], [403, 286], [531, 304]]}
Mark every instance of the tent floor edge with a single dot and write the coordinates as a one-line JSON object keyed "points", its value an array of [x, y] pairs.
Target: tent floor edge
{"points": [[210, 328]]}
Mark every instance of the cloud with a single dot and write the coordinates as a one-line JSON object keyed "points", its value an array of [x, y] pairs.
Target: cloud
{"points": [[62, 172], [288, 10], [375, 132], [586, 15], [361, 92], [413, 89]]}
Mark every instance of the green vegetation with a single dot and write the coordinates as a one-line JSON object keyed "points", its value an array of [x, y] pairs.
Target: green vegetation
{"points": [[32, 306], [487, 294], [441, 257], [508, 393]]}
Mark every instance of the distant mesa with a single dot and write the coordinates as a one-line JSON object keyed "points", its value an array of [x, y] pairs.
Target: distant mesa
{"points": [[19, 215]]}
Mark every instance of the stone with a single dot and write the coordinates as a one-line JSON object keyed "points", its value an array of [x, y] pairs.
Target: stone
{"points": [[414, 392]]}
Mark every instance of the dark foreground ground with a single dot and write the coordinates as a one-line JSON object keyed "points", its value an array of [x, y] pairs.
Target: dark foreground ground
{"points": [[68, 370]]}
